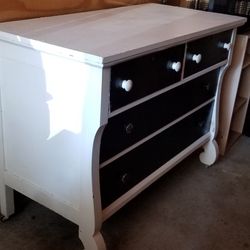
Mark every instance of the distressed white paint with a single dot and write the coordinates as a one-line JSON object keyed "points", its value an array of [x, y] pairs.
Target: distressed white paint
{"points": [[211, 149], [53, 109]]}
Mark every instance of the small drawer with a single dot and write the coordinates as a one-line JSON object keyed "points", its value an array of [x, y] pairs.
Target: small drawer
{"points": [[127, 171], [139, 77], [207, 51], [127, 128]]}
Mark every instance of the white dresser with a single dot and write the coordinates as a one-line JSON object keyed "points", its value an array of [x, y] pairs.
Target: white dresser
{"points": [[96, 106]]}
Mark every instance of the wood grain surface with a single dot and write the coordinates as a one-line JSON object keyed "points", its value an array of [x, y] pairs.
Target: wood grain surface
{"points": [[118, 33], [22, 9]]}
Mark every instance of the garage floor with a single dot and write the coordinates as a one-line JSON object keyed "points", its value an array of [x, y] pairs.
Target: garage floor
{"points": [[190, 208]]}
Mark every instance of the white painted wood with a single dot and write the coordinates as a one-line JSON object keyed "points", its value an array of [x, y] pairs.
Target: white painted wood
{"points": [[42, 121], [6, 201], [210, 154], [215, 115], [52, 115], [92, 243], [94, 119], [42, 196], [6, 193], [211, 149], [116, 33], [55, 77]]}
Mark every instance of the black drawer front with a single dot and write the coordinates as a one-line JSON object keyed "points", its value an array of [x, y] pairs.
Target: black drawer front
{"points": [[211, 51], [124, 173], [133, 125], [148, 74]]}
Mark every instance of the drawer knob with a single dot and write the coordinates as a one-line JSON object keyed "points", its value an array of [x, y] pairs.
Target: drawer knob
{"points": [[207, 87], [227, 46], [197, 58], [127, 85], [176, 66], [125, 178], [129, 128]]}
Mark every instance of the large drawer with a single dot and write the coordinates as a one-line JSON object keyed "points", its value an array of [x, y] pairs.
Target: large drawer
{"points": [[127, 128], [207, 51], [121, 175], [145, 74]]}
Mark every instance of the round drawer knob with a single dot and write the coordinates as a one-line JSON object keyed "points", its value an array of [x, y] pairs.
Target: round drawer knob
{"points": [[197, 58], [227, 46], [176, 66], [127, 85], [129, 128], [201, 124]]}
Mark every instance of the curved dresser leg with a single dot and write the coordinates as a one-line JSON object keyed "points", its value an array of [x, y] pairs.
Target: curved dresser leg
{"points": [[92, 242], [210, 153]]}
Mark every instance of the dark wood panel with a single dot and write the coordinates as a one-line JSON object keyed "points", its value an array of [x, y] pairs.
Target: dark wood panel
{"points": [[210, 48], [148, 74], [122, 174], [134, 124]]}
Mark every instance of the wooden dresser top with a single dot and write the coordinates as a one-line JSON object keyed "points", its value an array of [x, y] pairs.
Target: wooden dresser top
{"points": [[109, 35]]}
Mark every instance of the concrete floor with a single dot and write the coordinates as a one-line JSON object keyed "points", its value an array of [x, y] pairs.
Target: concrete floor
{"points": [[190, 208]]}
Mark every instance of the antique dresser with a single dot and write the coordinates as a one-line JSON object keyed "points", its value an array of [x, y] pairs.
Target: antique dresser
{"points": [[96, 106]]}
